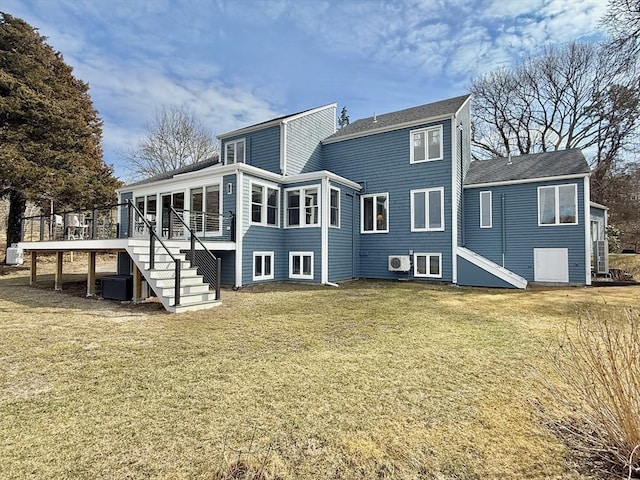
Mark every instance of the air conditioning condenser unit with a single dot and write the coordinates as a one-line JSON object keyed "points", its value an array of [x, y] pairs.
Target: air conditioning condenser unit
{"points": [[399, 263]]}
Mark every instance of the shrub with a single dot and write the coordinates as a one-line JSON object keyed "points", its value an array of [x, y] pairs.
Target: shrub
{"points": [[599, 368]]}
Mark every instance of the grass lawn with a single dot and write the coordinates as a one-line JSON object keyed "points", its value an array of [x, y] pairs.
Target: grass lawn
{"points": [[369, 380]]}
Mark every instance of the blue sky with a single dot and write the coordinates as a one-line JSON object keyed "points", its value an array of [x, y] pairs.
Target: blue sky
{"points": [[240, 62]]}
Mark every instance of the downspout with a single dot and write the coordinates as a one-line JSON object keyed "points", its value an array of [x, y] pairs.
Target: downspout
{"points": [[283, 148], [586, 200], [239, 226], [324, 231], [504, 228]]}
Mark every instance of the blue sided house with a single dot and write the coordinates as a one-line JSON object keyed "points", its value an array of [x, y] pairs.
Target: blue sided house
{"points": [[393, 196]]}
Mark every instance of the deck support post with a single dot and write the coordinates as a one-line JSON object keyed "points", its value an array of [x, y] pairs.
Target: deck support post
{"points": [[33, 271], [57, 283], [91, 274], [137, 284]]}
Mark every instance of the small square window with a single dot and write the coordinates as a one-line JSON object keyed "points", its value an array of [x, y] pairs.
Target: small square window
{"points": [[262, 266], [301, 265], [427, 265]]}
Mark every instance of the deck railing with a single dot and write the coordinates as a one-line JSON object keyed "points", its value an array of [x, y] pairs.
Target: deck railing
{"points": [[136, 217], [102, 223], [98, 223], [208, 261]]}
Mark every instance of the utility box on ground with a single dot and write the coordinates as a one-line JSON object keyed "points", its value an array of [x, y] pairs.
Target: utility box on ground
{"points": [[14, 255], [117, 287]]}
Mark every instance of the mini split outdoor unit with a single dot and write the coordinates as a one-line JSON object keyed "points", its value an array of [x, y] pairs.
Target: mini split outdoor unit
{"points": [[399, 263]]}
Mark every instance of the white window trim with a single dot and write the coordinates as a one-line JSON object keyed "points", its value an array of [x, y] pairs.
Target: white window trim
{"points": [[428, 255], [301, 207], [235, 150], [490, 209], [339, 207], [375, 225], [253, 266], [300, 276], [426, 136], [426, 192], [557, 204], [265, 194]]}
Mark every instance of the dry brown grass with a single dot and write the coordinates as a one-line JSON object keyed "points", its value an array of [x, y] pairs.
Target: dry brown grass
{"points": [[630, 263], [369, 380]]}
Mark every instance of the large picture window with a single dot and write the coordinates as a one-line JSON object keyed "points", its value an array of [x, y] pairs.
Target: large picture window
{"points": [[427, 210], [234, 152], [427, 265], [426, 144], [302, 207], [558, 205], [301, 265], [265, 205], [375, 213]]}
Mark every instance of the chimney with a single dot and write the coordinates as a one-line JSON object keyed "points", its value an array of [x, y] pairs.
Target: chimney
{"points": [[375, 120], [509, 159]]}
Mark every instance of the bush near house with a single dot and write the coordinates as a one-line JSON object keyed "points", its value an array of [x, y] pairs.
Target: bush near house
{"points": [[598, 360]]}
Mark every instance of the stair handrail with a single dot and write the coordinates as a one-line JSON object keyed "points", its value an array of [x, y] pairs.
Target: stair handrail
{"points": [[193, 238], [153, 236]]}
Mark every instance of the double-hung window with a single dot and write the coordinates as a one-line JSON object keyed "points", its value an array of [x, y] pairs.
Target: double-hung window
{"points": [[426, 144], [302, 207], [334, 207], [485, 209], [558, 205], [375, 213], [234, 151], [427, 210], [427, 265], [265, 205], [301, 265], [263, 265]]}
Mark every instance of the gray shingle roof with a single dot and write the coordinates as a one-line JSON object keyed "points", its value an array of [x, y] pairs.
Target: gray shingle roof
{"points": [[194, 167], [525, 167], [401, 117]]}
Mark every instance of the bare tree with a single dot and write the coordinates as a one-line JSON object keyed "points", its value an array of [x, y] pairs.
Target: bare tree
{"points": [[623, 24], [175, 138], [575, 96]]}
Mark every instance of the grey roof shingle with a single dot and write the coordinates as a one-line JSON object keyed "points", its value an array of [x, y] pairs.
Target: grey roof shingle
{"points": [[525, 167], [194, 167], [401, 117]]}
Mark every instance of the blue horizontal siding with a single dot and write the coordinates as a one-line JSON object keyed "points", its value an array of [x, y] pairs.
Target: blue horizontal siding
{"points": [[381, 162], [474, 276], [262, 148], [522, 232], [342, 240]]}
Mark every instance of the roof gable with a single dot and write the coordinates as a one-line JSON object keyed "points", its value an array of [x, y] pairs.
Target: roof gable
{"points": [[528, 167], [399, 119], [271, 122]]}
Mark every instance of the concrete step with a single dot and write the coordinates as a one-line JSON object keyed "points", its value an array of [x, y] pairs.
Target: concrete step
{"points": [[193, 307]]}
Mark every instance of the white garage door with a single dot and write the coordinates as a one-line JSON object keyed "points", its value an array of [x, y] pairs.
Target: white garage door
{"points": [[551, 265]]}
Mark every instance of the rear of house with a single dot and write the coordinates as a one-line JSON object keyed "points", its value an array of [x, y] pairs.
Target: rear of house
{"points": [[393, 196]]}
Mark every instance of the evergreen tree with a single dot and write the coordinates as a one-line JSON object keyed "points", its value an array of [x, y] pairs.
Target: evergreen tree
{"points": [[49, 131], [343, 121]]}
